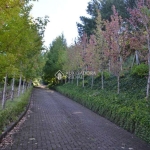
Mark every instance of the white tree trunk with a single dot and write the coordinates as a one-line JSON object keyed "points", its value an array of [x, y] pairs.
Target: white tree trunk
{"points": [[83, 79], [30, 83], [118, 81], [72, 76], [148, 85], [77, 79], [102, 79], [19, 88], [69, 77], [12, 89], [133, 61], [4, 92], [92, 82], [109, 66], [148, 80], [137, 57]]}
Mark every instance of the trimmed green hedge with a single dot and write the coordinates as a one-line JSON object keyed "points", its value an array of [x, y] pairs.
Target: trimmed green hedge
{"points": [[124, 110], [13, 109]]}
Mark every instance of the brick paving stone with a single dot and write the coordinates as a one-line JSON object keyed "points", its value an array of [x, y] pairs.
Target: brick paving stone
{"points": [[58, 123]]}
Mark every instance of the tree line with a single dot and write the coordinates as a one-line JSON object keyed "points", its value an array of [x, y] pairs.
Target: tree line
{"points": [[114, 40], [21, 42]]}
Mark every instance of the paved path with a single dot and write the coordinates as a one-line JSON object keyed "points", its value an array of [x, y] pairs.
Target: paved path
{"points": [[58, 123]]}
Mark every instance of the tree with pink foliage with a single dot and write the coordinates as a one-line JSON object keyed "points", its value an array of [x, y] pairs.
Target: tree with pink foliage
{"points": [[115, 35], [140, 20]]}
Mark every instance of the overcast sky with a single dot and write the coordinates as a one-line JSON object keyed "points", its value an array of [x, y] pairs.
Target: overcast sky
{"points": [[63, 15]]}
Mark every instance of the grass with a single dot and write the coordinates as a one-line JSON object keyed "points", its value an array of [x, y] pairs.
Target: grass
{"points": [[13, 109]]}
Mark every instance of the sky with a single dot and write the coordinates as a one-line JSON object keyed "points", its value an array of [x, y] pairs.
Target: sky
{"points": [[63, 15]]}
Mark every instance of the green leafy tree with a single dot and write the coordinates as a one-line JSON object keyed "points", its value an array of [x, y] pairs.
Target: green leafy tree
{"points": [[55, 58]]}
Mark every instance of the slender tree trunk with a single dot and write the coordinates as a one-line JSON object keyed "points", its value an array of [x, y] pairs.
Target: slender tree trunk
{"points": [[102, 79], [19, 88], [148, 80], [12, 89], [69, 77], [148, 85], [30, 83], [121, 68], [109, 66], [23, 86], [83, 79], [118, 81], [133, 61], [92, 82], [72, 77], [137, 57], [4, 93], [77, 79]]}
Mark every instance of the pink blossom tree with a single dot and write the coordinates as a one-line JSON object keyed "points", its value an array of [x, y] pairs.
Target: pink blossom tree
{"points": [[115, 36], [140, 20]]}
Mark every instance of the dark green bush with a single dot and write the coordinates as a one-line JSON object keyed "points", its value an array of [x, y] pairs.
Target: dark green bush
{"points": [[140, 70]]}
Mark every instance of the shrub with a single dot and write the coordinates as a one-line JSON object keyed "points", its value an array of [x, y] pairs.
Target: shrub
{"points": [[105, 73], [140, 70], [126, 109]]}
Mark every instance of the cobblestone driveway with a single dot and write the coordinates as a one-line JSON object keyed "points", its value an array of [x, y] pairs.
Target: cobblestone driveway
{"points": [[58, 123]]}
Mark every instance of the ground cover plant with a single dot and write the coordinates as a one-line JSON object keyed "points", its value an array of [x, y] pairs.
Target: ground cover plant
{"points": [[13, 109], [129, 109]]}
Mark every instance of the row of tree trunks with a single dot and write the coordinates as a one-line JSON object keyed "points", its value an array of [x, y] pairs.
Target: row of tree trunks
{"points": [[11, 94]]}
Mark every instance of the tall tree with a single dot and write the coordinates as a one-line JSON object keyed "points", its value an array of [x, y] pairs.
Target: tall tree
{"points": [[55, 58], [101, 59], [140, 20], [87, 24], [116, 38]]}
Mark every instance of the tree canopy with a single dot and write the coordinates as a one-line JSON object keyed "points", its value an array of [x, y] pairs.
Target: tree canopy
{"points": [[56, 57], [21, 39]]}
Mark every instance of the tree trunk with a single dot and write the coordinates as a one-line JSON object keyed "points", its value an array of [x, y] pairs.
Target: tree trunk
{"points": [[118, 81], [77, 79], [4, 93], [121, 68], [92, 81], [72, 77], [19, 88], [23, 86], [83, 79], [148, 80], [102, 79], [133, 61], [109, 66], [12, 89], [69, 77], [137, 58]]}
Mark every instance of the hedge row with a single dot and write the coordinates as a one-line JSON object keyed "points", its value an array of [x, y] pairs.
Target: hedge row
{"points": [[13, 109], [129, 113]]}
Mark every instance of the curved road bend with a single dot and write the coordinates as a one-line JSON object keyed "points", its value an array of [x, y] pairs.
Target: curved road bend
{"points": [[58, 123]]}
